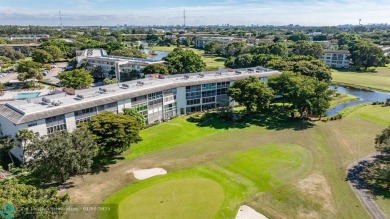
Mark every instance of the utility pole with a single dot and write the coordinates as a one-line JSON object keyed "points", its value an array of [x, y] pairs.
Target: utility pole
{"points": [[59, 12]]}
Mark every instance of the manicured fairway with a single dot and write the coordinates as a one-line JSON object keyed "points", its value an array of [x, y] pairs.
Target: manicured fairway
{"points": [[377, 80], [283, 170], [181, 198], [220, 186]]}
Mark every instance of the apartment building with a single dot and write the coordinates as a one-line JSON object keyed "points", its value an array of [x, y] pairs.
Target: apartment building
{"points": [[336, 58], [157, 99], [118, 64]]}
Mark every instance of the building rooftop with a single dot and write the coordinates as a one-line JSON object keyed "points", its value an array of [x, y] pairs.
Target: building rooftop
{"points": [[22, 111], [101, 54], [336, 51]]}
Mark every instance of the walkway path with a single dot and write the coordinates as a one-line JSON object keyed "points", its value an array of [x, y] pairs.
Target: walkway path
{"points": [[363, 194]]}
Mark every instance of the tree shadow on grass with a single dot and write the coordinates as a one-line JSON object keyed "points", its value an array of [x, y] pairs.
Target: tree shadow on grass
{"points": [[102, 163], [273, 119]]}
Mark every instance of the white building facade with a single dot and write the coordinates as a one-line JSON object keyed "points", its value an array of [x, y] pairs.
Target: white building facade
{"points": [[118, 64], [157, 99], [336, 58]]}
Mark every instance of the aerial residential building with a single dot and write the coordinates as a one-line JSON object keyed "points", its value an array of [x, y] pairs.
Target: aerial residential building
{"points": [[336, 58], [116, 64], [157, 99]]}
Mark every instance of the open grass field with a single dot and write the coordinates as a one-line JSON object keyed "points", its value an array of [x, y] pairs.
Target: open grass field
{"points": [[379, 80], [212, 62], [286, 171]]}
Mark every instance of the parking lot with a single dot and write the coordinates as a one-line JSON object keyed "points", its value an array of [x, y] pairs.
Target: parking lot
{"points": [[52, 74]]}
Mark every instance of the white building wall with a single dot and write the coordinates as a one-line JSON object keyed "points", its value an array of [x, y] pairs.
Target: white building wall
{"points": [[124, 104], [10, 129], [181, 100], [70, 121]]}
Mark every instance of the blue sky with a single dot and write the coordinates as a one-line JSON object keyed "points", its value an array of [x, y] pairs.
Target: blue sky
{"points": [[199, 12]]}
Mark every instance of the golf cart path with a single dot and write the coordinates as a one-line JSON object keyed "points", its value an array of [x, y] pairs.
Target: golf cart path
{"points": [[363, 194]]}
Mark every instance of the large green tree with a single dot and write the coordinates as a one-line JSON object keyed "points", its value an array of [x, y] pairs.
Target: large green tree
{"points": [[97, 72], [298, 37], [306, 94], [377, 173], [58, 156], [306, 48], [26, 65], [6, 144], [42, 56], [365, 54], [75, 79], [114, 133], [156, 69], [181, 61], [135, 114], [252, 93], [28, 202], [128, 52], [54, 51]]}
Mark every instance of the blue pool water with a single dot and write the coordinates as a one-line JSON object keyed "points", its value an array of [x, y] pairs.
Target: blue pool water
{"points": [[27, 95]]}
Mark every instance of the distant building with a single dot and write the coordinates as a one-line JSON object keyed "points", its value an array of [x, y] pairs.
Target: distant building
{"points": [[115, 64], [34, 37], [336, 58]]}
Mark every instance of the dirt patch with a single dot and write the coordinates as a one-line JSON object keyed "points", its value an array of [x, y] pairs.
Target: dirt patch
{"points": [[316, 188]]}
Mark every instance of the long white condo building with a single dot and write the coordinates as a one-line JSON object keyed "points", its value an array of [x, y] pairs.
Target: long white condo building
{"points": [[157, 99]]}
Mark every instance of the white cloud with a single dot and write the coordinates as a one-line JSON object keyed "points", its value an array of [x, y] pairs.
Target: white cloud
{"points": [[327, 12]]}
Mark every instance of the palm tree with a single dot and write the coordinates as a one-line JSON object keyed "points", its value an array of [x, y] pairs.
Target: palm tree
{"points": [[23, 136]]}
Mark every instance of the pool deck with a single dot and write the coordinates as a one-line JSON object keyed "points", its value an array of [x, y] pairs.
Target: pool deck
{"points": [[11, 95]]}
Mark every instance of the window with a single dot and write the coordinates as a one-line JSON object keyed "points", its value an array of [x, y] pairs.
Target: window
{"points": [[208, 100], [193, 101], [211, 86], [208, 93], [31, 124], [193, 95], [56, 128]]}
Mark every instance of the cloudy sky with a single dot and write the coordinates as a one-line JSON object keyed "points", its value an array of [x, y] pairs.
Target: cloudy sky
{"points": [[199, 12]]}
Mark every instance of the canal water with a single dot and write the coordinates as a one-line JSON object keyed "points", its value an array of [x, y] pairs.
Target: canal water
{"points": [[364, 95]]}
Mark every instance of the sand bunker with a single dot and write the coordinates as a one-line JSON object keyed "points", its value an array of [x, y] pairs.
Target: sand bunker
{"points": [[246, 212], [147, 173]]}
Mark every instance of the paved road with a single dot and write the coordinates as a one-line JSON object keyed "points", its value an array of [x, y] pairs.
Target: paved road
{"points": [[363, 194]]}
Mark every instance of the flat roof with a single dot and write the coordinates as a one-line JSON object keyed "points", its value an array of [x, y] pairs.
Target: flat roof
{"points": [[22, 111]]}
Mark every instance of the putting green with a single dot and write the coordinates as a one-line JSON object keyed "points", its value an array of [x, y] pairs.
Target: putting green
{"points": [[179, 198]]}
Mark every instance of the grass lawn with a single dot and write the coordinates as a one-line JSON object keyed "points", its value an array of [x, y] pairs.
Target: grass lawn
{"points": [[377, 80], [342, 98], [237, 176], [212, 62], [290, 171]]}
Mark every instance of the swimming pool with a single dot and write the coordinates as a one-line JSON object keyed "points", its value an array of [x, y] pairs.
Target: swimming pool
{"points": [[27, 95]]}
